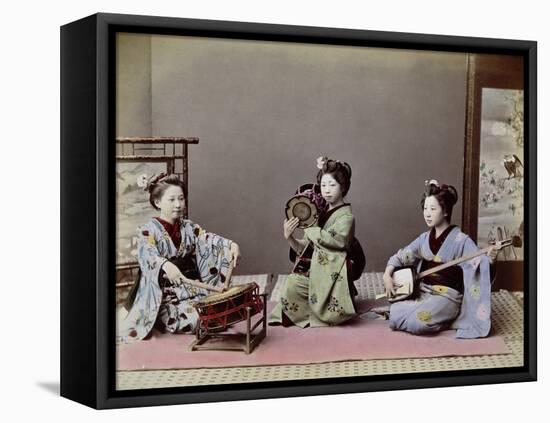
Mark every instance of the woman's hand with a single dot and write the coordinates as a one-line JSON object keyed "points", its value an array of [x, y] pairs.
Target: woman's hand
{"points": [[235, 253], [390, 285], [172, 272], [492, 254], [290, 226]]}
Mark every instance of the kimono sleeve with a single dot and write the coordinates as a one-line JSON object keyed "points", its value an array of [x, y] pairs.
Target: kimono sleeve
{"points": [[199, 235], [408, 255], [474, 320], [212, 252], [337, 237], [147, 294], [149, 257]]}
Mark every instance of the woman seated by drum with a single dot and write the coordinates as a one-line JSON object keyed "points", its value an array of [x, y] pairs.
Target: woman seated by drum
{"points": [[318, 292], [457, 297], [179, 261]]}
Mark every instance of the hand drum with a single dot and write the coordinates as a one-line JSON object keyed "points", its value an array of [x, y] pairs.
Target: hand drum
{"points": [[304, 209]]}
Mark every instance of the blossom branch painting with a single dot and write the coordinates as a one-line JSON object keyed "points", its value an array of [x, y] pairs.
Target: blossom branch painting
{"points": [[501, 171]]}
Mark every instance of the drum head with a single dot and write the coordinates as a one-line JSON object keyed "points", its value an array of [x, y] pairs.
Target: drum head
{"points": [[217, 297], [303, 208]]}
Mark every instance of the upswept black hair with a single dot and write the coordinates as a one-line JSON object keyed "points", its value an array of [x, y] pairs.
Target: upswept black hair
{"points": [[340, 171], [156, 188], [446, 196]]}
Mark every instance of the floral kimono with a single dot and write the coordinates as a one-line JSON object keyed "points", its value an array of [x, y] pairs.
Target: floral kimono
{"points": [[320, 295], [441, 305], [156, 300]]}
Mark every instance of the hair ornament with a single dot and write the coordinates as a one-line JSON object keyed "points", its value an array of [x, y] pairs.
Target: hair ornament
{"points": [[321, 161], [145, 182], [429, 182], [142, 181]]}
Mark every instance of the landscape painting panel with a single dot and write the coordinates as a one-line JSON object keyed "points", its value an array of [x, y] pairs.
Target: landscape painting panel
{"points": [[132, 206]]}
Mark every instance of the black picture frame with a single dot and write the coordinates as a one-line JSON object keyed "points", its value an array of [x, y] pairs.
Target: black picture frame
{"points": [[87, 177]]}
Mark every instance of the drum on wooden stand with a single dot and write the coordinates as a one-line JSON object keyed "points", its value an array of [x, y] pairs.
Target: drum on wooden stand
{"points": [[219, 311]]}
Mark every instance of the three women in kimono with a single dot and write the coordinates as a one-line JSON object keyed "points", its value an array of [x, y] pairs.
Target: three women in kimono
{"points": [[171, 251], [319, 292], [457, 297]]}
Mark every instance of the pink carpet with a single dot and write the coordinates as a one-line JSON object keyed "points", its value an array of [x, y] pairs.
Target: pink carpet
{"points": [[357, 340]]}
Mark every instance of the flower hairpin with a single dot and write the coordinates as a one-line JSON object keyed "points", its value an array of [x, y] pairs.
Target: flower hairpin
{"points": [[321, 161], [437, 184], [143, 181]]}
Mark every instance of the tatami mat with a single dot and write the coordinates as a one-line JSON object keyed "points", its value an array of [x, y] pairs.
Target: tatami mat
{"points": [[507, 321]]}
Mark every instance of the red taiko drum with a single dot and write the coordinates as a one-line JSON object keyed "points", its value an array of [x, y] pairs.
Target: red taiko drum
{"points": [[220, 310]]}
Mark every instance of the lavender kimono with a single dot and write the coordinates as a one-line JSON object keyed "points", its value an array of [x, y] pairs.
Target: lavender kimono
{"points": [[172, 306], [437, 306]]}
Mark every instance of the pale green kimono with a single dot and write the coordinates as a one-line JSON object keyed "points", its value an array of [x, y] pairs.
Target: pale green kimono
{"points": [[323, 298]]}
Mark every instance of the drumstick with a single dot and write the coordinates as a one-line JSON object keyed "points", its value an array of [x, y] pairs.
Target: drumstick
{"points": [[199, 284], [203, 285]]}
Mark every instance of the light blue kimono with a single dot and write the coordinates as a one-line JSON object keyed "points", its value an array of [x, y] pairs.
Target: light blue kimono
{"points": [[436, 309], [172, 304]]}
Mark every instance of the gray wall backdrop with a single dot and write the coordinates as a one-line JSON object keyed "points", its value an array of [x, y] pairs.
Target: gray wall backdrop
{"points": [[264, 111], [133, 85]]}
